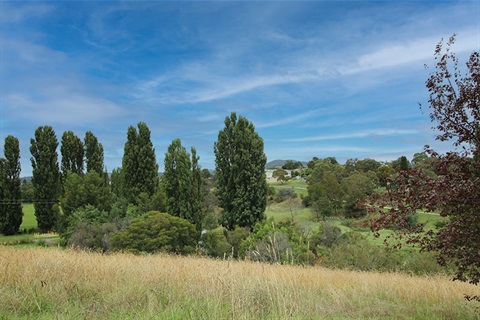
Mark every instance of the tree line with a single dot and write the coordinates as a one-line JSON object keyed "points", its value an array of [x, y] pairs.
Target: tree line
{"points": [[80, 185]]}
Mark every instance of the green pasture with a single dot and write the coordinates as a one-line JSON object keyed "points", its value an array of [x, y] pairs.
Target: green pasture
{"points": [[29, 219], [29, 222], [305, 217], [299, 186]]}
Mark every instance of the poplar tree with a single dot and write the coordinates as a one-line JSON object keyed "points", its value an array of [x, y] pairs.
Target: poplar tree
{"points": [[196, 197], [10, 188], [183, 181], [72, 154], [178, 180], [46, 176], [93, 153], [139, 165], [240, 172]]}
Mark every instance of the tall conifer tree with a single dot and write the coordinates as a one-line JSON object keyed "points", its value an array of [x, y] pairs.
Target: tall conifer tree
{"points": [[183, 181], [93, 153], [140, 169], [178, 180], [10, 205], [240, 172], [46, 176], [72, 154]]}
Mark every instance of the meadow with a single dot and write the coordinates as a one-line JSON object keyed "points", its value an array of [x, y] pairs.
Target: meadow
{"points": [[65, 284]]}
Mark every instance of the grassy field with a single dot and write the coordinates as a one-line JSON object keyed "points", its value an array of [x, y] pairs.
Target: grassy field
{"points": [[39, 283], [29, 220], [304, 215]]}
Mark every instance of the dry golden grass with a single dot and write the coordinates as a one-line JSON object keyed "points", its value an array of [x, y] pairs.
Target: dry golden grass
{"points": [[56, 284]]}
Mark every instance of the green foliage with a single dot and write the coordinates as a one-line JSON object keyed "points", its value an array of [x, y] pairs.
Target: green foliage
{"points": [[10, 191], [211, 220], [326, 236], [283, 194], [281, 175], [157, 202], [401, 163], [93, 153], [292, 165], [357, 187], [89, 189], [215, 243], [240, 171], [353, 251], [183, 183], [86, 215], [46, 176], [72, 153], [282, 242], [139, 166], [27, 191], [385, 172], [117, 182], [327, 194], [154, 232]]}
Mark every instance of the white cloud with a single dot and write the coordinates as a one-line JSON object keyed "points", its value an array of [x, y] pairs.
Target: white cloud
{"points": [[289, 119], [69, 107], [419, 50], [362, 134]]}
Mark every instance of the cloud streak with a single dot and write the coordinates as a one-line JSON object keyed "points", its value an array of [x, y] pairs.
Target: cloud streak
{"points": [[355, 135]]}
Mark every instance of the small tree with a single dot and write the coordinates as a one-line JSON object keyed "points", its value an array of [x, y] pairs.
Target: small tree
{"points": [[281, 175], [455, 193]]}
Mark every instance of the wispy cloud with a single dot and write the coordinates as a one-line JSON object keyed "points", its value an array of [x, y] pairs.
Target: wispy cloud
{"points": [[412, 51], [10, 13], [288, 120], [363, 134]]}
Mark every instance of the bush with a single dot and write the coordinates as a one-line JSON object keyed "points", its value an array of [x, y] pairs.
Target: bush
{"points": [[353, 251], [155, 232], [282, 242], [88, 215], [284, 194], [86, 235], [215, 243], [326, 236]]}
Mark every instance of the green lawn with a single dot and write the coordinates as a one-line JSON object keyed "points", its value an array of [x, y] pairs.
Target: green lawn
{"points": [[29, 219], [300, 186], [304, 216]]}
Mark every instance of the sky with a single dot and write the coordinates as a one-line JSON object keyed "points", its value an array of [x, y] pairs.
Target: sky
{"points": [[337, 79]]}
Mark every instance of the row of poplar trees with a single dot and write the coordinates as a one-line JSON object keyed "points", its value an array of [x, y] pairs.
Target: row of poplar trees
{"points": [[240, 174]]}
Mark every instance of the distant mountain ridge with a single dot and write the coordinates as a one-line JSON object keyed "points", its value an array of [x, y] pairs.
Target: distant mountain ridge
{"points": [[278, 163]]}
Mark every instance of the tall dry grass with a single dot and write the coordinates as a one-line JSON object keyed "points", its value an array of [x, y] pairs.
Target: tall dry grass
{"points": [[39, 283]]}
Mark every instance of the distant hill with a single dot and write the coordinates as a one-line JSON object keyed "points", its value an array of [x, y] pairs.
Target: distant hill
{"points": [[278, 163]]}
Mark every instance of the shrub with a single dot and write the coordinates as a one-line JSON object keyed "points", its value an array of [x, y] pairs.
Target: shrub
{"points": [[282, 242], [215, 243], [284, 194], [326, 236], [353, 251], [156, 231]]}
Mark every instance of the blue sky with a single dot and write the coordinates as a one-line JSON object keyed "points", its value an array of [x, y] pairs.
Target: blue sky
{"points": [[316, 78]]}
